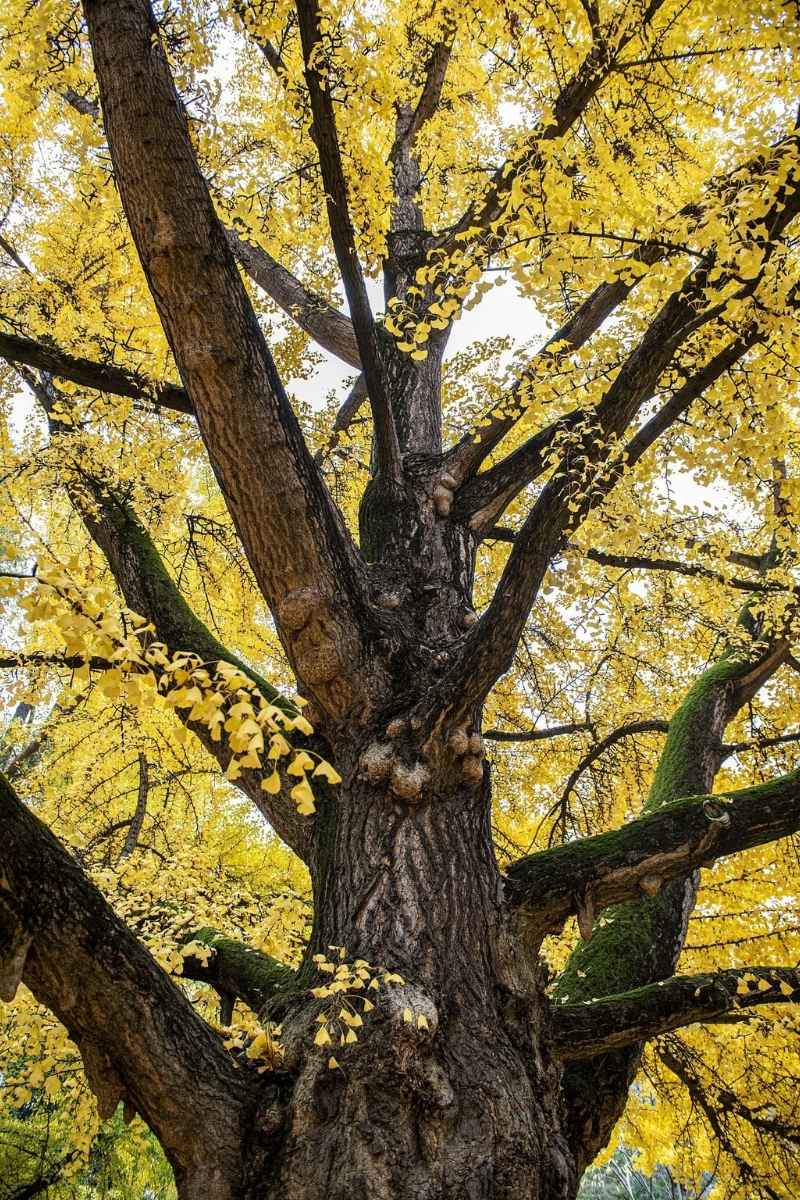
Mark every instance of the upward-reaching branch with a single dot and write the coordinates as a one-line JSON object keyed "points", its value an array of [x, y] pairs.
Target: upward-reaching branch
{"points": [[344, 242], [148, 589], [328, 327], [489, 648], [291, 531], [514, 472], [568, 107], [575, 490]]}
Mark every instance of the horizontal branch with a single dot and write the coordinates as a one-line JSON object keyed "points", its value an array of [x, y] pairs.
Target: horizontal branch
{"points": [[760, 743], [586, 876], [235, 970], [104, 377], [636, 562], [140, 1039], [596, 1026], [537, 735], [70, 662]]}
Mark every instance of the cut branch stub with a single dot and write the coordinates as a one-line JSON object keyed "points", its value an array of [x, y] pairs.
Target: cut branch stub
{"points": [[409, 782]]}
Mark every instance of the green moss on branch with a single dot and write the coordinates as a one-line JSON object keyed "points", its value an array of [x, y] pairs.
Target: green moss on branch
{"points": [[642, 856], [234, 969], [593, 1027]]}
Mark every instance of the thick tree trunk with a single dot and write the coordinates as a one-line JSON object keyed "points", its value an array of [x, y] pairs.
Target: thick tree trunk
{"points": [[467, 1107]]}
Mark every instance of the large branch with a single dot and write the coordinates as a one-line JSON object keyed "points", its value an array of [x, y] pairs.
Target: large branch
{"points": [[148, 589], [329, 328], [140, 1039], [586, 876], [489, 648], [594, 1027], [575, 491], [291, 531], [236, 971], [344, 241], [520, 468], [105, 377]]}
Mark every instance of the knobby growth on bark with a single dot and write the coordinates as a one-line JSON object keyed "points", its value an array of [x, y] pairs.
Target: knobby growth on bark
{"points": [[410, 556]]}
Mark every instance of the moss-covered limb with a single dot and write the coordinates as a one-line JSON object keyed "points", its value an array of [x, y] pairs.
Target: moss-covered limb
{"points": [[139, 1036], [149, 589], [638, 942], [234, 969], [593, 1027], [639, 858]]}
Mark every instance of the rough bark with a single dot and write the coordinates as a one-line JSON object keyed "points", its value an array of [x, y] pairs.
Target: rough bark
{"points": [[470, 1105], [105, 377], [139, 1037], [289, 527]]}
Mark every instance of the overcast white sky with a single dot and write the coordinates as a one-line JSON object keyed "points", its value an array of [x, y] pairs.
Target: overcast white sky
{"points": [[502, 312]]}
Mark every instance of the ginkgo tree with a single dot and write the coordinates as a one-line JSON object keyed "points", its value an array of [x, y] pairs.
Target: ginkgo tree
{"points": [[422, 761]]}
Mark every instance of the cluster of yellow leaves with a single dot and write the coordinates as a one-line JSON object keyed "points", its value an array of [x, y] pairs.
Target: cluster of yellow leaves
{"points": [[259, 1043], [219, 696], [340, 1021]]}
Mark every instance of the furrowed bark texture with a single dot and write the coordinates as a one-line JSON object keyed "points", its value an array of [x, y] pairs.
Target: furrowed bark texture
{"points": [[465, 1103], [288, 525]]}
